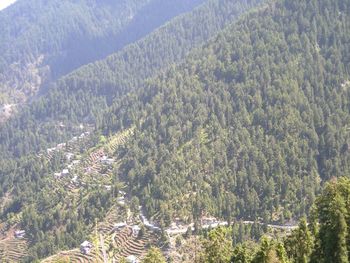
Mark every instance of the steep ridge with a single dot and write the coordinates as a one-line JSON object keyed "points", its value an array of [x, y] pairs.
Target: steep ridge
{"points": [[59, 36]]}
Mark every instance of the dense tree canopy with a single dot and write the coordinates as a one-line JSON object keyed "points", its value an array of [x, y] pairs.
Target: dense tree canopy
{"points": [[327, 241], [79, 98], [250, 125]]}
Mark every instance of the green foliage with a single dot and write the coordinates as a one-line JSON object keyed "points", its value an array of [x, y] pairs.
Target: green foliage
{"points": [[251, 123], [263, 254], [333, 218], [329, 243], [246, 127], [218, 246], [242, 254], [82, 97], [72, 33], [300, 243], [154, 255]]}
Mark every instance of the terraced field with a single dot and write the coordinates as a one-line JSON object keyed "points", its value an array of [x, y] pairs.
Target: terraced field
{"points": [[3, 229], [126, 244], [12, 250], [93, 170], [115, 215], [75, 256], [118, 140]]}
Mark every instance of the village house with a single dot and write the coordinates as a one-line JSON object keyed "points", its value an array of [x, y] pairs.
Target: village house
{"points": [[75, 162], [57, 175], [121, 200], [88, 169], [20, 234], [61, 146], [135, 230], [69, 156], [50, 150], [120, 225], [85, 247], [75, 179], [106, 160], [65, 172], [132, 259]]}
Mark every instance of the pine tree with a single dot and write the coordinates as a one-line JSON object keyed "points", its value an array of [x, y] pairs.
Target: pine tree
{"points": [[333, 213], [154, 255], [299, 244], [218, 247]]}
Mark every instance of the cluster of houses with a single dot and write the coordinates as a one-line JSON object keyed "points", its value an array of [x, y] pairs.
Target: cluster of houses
{"points": [[178, 227], [135, 228], [61, 146]]}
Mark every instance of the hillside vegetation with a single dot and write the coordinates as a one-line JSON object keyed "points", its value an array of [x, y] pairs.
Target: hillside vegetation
{"points": [[58, 213], [244, 125], [323, 239], [83, 95], [249, 126], [41, 41]]}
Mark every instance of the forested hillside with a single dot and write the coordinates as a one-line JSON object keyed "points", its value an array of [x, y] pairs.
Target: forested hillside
{"points": [[323, 239], [187, 125], [59, 215], [251, 125], [41, 41], [83, 95]]}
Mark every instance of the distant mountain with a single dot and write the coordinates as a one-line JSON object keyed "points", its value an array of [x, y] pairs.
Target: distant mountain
{"points": [[42, 40]]}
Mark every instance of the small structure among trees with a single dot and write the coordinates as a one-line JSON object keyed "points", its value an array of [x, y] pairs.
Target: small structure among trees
{"points": [[86, 247]]}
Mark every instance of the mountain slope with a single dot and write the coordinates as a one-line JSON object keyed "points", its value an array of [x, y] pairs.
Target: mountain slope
{"points": [[41, 41], [249, 126], [58, 214], [82, 95]]}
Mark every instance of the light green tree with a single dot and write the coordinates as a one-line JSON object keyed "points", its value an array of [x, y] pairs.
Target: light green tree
{"points": [[218, 248], [154, 255]]}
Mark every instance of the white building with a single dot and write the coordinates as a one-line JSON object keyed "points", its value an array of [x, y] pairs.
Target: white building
{"points": [[85, 247], [119, 225], [132, 259], [121, 200], [106, 160], [69, 156], [75, 162], [57, 175], [20, 234], [65, 172], [135, 230]]}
